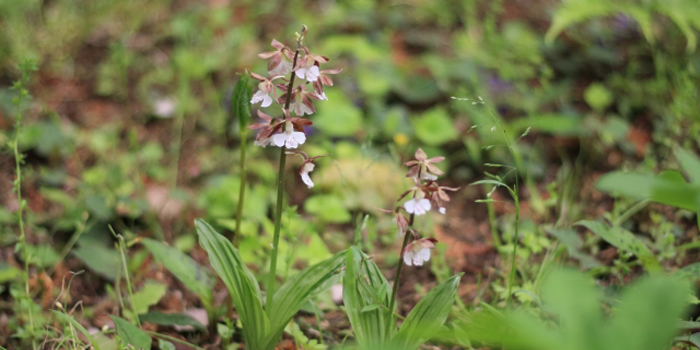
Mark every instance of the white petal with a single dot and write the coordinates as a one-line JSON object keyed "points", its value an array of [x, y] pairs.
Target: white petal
{"points": [[312, 74], [267, 101], [428, 176], [442, 210], [164, 107], [425, 203], [418, 210], [279, 139], [258, 96], [421, 207], [408, 258], [291, 142], [305, 109], [301, 72], [424, 254], [297, 110], [323, 96], [410, 206], [299, 137], [307, 180], [309, 167]]}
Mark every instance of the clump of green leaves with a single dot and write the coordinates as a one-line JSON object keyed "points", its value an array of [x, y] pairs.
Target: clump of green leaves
{"points": [[367, 294], [263, 327], [644, 317], [684, 13]]}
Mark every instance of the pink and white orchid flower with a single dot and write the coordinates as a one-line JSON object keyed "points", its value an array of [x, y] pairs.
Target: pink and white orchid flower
{"points": [[418, 251], [289, 137]]}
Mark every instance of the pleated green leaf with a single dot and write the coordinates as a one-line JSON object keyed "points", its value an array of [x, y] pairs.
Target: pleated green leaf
{"points": [[240, 102], [184, 268], [428, 316], [364, 285], [294, 293], [241, 284]]}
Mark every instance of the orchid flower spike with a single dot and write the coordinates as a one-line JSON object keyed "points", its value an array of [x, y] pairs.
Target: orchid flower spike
{"points": [[418, 251], [424, 167]]}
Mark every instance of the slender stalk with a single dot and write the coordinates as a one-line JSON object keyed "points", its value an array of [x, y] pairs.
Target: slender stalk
{"points": [[122, 250], [395, 288], [241, 192], [514, 194], [494, 230], [280, 196], [515, 247], [18, 190]]}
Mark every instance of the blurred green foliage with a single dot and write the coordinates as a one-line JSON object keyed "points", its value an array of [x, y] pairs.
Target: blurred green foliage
{"points": [[597, 86]]}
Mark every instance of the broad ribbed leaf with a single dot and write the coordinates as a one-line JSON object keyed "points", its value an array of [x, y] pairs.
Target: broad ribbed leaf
{"points": [[364, 285], [78, 326], [240, 102], [131, 334], [241, 283], [428, 316], [666, 188], [184, 268], [297, 291]]}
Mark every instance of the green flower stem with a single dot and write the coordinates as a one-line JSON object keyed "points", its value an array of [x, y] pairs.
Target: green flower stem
{"points": [[395, 288], [241, 193], [280, 196]]}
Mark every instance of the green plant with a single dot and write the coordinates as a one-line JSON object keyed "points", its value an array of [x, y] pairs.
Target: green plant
{"points": [[644, 317], [684, 13], [369, 307], [669, 187], [262, 327], [497, 181], [369, 304], [26, 69]]}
